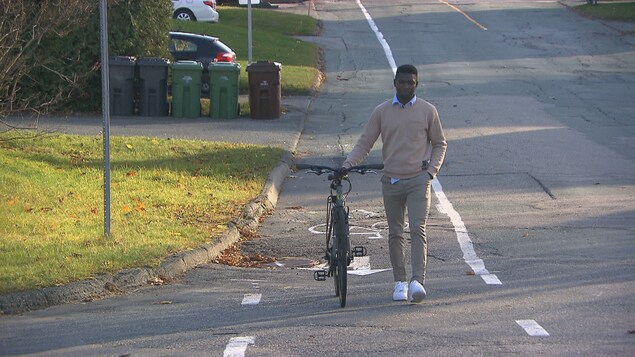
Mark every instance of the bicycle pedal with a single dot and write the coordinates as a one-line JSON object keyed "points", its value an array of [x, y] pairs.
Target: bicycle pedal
{"points": [[320, 275], [359, 251]]}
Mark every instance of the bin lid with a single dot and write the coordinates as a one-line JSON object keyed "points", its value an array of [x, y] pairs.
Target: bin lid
{"points": [[153, 61], [187, 65], [122, 60], [264, 66], [224, 66]]}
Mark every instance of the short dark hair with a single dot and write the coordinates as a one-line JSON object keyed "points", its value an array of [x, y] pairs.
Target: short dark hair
{"points": [[407, 68]]}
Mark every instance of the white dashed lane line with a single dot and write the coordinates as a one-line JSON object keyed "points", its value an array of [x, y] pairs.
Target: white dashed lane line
{"points": [[237, 346], [251, 299], [532, 328]]}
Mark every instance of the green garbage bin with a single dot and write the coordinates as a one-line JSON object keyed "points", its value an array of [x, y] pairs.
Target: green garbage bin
{"points": [[224, 78], [264, 89], [121, 91], [186, 89], [153, 86]]}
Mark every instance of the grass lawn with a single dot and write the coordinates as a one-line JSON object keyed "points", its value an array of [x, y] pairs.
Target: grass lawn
{"points": [[622, 11], [167, 196]]}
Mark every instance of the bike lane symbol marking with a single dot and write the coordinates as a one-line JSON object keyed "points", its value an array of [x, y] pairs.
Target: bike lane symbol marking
{"points": [[372, 233]]}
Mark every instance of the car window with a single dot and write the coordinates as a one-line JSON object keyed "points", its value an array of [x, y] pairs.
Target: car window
{"points": [[183, 46]]}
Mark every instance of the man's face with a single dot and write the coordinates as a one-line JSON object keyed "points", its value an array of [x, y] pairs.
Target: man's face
{"points": [[405, 84]]}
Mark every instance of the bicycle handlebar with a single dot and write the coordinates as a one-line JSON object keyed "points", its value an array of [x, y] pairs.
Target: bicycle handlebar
{"points": [[320, 169]]}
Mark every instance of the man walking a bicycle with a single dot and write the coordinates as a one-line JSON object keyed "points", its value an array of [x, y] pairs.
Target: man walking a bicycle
{"points": [[413, 150]]}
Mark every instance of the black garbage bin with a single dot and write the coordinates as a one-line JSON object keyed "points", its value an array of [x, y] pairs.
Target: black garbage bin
{"points": [[153, 86], [265, 92], [121, 78]]}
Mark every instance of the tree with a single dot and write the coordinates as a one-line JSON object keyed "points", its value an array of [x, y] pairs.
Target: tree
{"points": [[23, 27], [50, 57]]}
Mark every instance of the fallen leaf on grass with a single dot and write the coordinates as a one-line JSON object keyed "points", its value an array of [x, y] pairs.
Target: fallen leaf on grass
{"points": [[140, 206]]}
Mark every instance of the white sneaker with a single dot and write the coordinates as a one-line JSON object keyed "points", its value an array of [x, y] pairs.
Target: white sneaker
{"points": [[416, 292], [401, 291]]}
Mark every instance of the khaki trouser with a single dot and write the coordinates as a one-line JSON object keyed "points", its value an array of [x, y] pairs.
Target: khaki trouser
{"points": [[413, 194]]}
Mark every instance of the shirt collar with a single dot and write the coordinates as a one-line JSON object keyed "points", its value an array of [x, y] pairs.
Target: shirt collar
{"points": [[411, 102]]}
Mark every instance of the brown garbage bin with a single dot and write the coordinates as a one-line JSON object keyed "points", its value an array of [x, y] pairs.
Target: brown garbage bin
{"points": [[265, 92]]}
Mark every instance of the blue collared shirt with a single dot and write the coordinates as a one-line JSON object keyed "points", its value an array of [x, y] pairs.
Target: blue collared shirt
{"points": [[412, 101]]}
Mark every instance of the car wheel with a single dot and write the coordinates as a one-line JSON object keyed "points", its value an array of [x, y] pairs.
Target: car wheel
{"points": [[184, 14]]}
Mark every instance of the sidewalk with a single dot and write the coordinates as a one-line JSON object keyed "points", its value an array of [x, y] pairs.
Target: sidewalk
{"points": [[283, 132]]}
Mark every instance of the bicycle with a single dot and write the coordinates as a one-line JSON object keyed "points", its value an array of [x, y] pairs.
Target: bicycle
{"points": [[338, 252]]}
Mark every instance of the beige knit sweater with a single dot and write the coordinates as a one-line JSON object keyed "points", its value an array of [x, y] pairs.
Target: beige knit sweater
{"points": [[410, 134]]}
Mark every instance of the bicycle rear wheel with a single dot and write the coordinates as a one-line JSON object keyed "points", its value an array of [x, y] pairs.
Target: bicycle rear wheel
{"points": [[341, 257]]}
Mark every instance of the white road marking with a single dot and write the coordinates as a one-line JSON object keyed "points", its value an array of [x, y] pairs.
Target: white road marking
{"points": [[365, 272], [251, 299], [532, 328], [371, 233], [469, 255], [237, 346], [380, 37], [359, 266]]}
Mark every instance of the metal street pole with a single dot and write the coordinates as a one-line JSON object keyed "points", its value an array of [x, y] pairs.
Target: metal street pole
{"points": [[249, 31], [105, 104]]}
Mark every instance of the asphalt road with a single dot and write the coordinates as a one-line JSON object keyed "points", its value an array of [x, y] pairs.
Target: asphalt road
{"points": [[531, 235]]}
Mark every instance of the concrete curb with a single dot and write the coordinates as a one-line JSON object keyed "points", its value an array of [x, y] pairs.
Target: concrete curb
{"points": [[171, 268]]}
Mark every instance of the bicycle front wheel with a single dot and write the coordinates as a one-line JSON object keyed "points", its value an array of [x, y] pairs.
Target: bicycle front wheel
{"points": [[341, 243]]}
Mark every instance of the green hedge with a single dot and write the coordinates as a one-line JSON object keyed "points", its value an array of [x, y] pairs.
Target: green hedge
{"points": [[69, 65]]}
